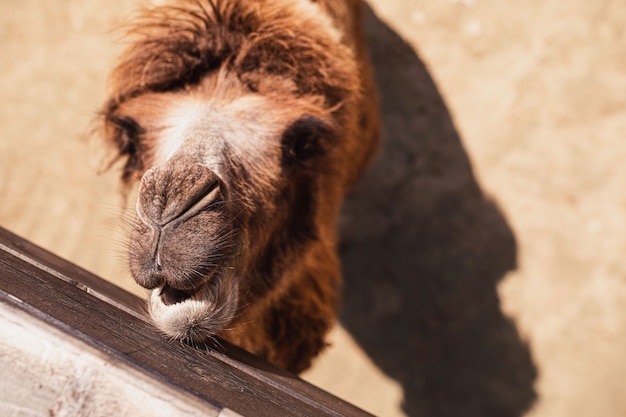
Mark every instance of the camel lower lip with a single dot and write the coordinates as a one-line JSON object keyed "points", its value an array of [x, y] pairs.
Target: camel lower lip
{"points": [[170, 295]]}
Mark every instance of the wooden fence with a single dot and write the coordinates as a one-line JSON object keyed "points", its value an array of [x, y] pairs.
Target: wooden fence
{"points": [[72, 344]]}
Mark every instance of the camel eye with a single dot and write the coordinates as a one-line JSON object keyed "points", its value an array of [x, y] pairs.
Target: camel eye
{"points": [[126, 133], [305, 140]]}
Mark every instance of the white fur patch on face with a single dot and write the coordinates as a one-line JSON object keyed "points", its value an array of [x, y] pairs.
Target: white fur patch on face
{"points": [[180, 120], [248, 125]]}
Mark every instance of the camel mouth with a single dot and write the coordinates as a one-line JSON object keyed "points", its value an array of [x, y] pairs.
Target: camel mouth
{"points": [[170, 295], [195, 315]]}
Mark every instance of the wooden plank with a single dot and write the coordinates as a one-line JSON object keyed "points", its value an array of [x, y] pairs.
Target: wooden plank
{"points": [[107, 318], [45, 373]]}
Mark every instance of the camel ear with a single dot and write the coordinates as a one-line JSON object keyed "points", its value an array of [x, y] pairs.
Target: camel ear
{"points": [[306, 141], [123, 134]]}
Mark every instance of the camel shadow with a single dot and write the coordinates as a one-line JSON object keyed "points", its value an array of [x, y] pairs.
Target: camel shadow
{"points": [[423, 250]]}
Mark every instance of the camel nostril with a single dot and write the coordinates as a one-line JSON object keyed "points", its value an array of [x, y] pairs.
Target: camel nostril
{"points": [[157, 263]]}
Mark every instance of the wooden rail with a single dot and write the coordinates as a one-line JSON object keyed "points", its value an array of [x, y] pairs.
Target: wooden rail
{"points": [[72, 344]]}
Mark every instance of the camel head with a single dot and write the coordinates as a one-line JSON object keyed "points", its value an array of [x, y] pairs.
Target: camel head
{"points": [[234, 120], [232, 185]]}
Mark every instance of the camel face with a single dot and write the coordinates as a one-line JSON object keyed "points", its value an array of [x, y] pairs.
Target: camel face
{"points": [[244, 122], [228, 171]]}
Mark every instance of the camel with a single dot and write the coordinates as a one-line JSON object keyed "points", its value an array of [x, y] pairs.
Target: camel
{"points": [[244, 122]]}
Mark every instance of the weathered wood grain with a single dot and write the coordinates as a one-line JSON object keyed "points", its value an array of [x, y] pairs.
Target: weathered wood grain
{"points": [[45, 373], [109, 323]]}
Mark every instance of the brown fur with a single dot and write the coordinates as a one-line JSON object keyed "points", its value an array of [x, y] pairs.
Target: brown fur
{"points": [[253, 218]]}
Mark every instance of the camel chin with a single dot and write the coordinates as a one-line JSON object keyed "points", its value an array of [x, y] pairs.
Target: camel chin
{"points": [[194, 317]]}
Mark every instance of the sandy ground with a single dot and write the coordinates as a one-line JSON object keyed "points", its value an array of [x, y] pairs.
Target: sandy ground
{"points": [[483, 252]]}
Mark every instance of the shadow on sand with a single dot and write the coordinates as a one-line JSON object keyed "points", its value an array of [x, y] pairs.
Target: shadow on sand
{"points": [[423, 250]]}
